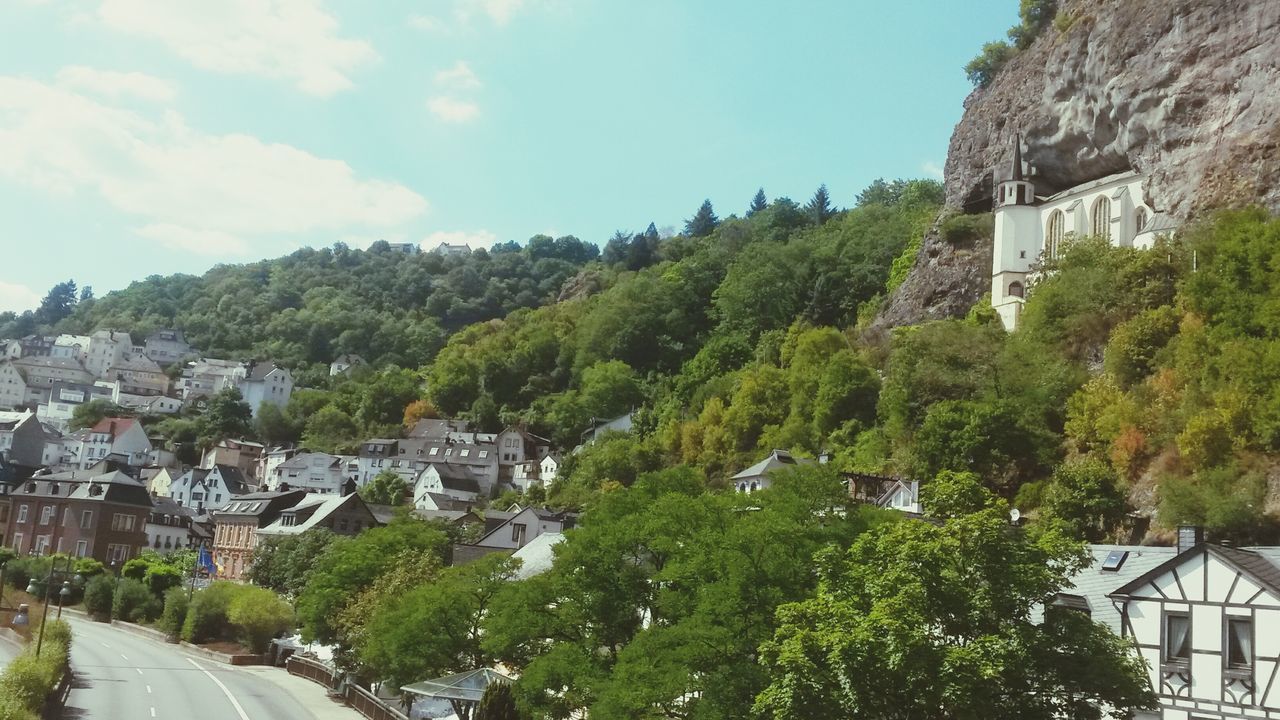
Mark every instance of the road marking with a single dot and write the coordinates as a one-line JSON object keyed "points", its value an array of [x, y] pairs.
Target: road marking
{"points": [[126, 657], [234, 703], [104, 644], [139, 670], [148, 689], [153, 712]]}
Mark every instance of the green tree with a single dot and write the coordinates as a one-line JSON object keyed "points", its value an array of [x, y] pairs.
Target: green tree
{"points": [[57, 303], [924, 620], [331, 430], [819, 207], [258, 616], [91, 413], [703, 222], [758, 203], [1085, 496], [227, 416], [284, 563], [994, 56], [274, 426], [498, 703], [386, 488]]}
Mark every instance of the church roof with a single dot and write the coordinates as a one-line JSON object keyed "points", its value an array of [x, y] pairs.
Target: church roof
{"points": [[1015, 172]]}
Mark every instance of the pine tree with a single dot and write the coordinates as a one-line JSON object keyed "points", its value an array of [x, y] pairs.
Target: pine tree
{"points": [[498, 703], [819, 208], [58, 303], [758, 203], [86, 293], [703, 222]]}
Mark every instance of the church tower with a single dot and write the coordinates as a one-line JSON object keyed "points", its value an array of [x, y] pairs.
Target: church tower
{"points": [[1017, 240]]}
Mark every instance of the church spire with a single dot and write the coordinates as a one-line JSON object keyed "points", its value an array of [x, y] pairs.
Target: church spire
{"points": [[1016, 171]]}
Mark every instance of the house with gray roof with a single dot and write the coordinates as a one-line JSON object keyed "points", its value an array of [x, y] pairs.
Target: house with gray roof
{"points": [[760, 476]]}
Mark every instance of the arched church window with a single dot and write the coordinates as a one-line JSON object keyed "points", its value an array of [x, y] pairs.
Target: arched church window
{"points": [[754, 486], [1139, 220], [1053, 233], [1015, 289], [1102, 217]]}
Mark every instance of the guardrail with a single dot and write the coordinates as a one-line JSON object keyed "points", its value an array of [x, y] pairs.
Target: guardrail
{"points": [[361, 700], [370, 706], [313, 670]]}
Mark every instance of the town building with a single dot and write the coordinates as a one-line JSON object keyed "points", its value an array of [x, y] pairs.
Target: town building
{"points": [[339, 514], [314, 472], [273, 459], [107, 348], [453, 481], [243, 454], [266, 383], [13, 386], [206, 377], [1204, 618], [102, 516], [123, 438], [524, 525], [138, 375], [760, 476], [1030, 229], [42, 372], [344, 363], [64, 397], [404, 248], [166, 347], [29, 347], [452, 250], [169, 526], [235, 528], [26, 442], [209, 489], [75, 347]]}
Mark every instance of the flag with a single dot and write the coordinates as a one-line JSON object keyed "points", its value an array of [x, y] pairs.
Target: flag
{"points": [[205, 561]]}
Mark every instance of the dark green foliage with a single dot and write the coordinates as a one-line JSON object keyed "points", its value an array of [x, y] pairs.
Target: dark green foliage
{"points": [[758, 203], [227, 416], [1085, 496], [994, 56], [283, 563], [91, 413], [965, 230], [98, 596], [57, 304], [133, 602], [386, 488], [1228, 501], [819, 207], [207, 614], [498, 703], [703, 222], [174, 615]]}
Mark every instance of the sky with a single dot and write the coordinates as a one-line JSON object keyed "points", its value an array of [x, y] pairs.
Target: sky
{"points": [[145, 137]]}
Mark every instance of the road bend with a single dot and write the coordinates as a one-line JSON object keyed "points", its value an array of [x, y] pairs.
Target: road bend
{"points": [[119, 676]]}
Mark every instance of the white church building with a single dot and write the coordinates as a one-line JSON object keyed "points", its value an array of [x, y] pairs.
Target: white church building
{"points": [[1031, 228]]}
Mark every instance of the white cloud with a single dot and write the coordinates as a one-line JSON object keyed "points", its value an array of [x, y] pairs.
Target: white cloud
{"points": [[114, 85], [459, 76], [474, 238], [932, 169], [466, 12], [427, 23], [499, 11], [187, 189], [452, 109], [18, 298], [292, 40]]}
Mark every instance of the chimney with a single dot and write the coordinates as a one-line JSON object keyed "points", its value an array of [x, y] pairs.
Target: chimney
{"points": [[1189, 536]]}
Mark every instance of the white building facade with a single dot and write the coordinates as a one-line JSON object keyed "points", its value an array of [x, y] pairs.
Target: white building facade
{"points": [[1031, 229]]}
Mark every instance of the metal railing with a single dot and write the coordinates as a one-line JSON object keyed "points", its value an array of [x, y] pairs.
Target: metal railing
{"points": [[363, 701], [312, 670], [368, 705]]}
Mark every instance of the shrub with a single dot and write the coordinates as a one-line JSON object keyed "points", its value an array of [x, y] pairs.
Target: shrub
{"points": [[29, 680], [98, 596], [498, 703], [135, 569], [89, 567], [134, 602], [160, 578], [207, 615], [175, 611], [259, 615], [983, 69], [961, 230]]}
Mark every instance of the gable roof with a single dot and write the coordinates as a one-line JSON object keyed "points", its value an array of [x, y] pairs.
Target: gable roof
{"points": [[455, 478], [1250, 562], [114, 426], [237, 483], [261, 370], [1094, 584], [776, 459], [314, 509]]}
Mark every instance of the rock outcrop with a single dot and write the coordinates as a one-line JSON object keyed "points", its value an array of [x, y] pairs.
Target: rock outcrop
{"points": [[1184, 91]]}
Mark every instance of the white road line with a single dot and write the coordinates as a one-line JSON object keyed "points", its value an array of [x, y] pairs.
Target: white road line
{"points": [[148, 689], [126, 657], [104, 644], [234, 703], [139, 670], [153, 712]]}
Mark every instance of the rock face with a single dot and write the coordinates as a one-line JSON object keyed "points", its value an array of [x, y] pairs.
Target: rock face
{"points": [[1184, 91]]}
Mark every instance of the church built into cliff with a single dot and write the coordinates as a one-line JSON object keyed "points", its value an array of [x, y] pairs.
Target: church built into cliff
{"points": [[1030, 229]]}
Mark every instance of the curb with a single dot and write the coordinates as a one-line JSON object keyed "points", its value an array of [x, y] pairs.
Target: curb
{"points": [[142, 631], [225, 658], [12, 638]]}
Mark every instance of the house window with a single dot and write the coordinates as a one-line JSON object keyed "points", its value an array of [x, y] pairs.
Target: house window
{"points": [[1239, 643], [1177, 638], [122, 522], [86, 519], [117, 553], [1015, 289], [1102, 217], [1139, 220], [17, 542], [82, 548], [22, 513], [46, 514], [517, 533]]}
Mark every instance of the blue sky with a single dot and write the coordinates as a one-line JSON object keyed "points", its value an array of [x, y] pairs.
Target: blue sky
{"points": [[141, 137]]}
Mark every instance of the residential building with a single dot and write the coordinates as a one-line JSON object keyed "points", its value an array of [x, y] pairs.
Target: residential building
{"points": [[1204, 618], [75, 347], [25, 442], [524, 526], [169, 526], [42, 372], [439, 502], [902, 495], [406, 248], [549, 468], [209, 489], [266, 383], [437, 428], [235, 528], [161, 482], [537, 555], [760, 476], [102, 516], [138, 375], [380, 454], [64, 398], [314, 472], [452, 250], [442, 478], [122, 437], [620, 424], [516, 445], [479, 460], [207, 377], [536, 473], [166, 347], [340, 514], [13, 386], [107, 348], [271, 460], [30, 346], [243, 454], [343, 363]]}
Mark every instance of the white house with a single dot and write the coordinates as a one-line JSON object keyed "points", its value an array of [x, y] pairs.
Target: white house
{"points": [[123, 437], [137, 375], [106, 349], [1205, 619], [1030, 228], [64, 398], [527, 524], [315, 472], [549, 469], [13, 386], [266, 383], [382, 454], [441, 478], [75, 347], [207, 377], [205, 490], [759, 476], [169, 526], [166, 347], [902, 495], [42, 372], [343, 363]]}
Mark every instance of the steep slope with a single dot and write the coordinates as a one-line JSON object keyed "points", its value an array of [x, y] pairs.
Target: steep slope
{"points": [[1185, 91]]}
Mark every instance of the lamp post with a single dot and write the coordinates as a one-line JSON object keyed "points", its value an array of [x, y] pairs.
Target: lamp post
{"points": [[63, 594]]}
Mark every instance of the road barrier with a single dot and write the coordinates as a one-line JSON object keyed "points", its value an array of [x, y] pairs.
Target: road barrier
{"points": [[313, 670], [361, 700], [370, 706]]}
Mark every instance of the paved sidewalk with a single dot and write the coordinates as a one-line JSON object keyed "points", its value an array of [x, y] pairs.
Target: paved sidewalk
{"points": [[309, 695]]}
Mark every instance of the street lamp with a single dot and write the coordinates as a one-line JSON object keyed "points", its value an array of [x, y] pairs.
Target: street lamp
{"points": [[62, 595]]}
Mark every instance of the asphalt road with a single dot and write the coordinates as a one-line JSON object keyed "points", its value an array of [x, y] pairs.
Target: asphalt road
{"points": [[119, 676]]}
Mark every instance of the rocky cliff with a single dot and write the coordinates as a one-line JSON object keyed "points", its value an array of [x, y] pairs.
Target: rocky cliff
{"points": [[1184, 91]]}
